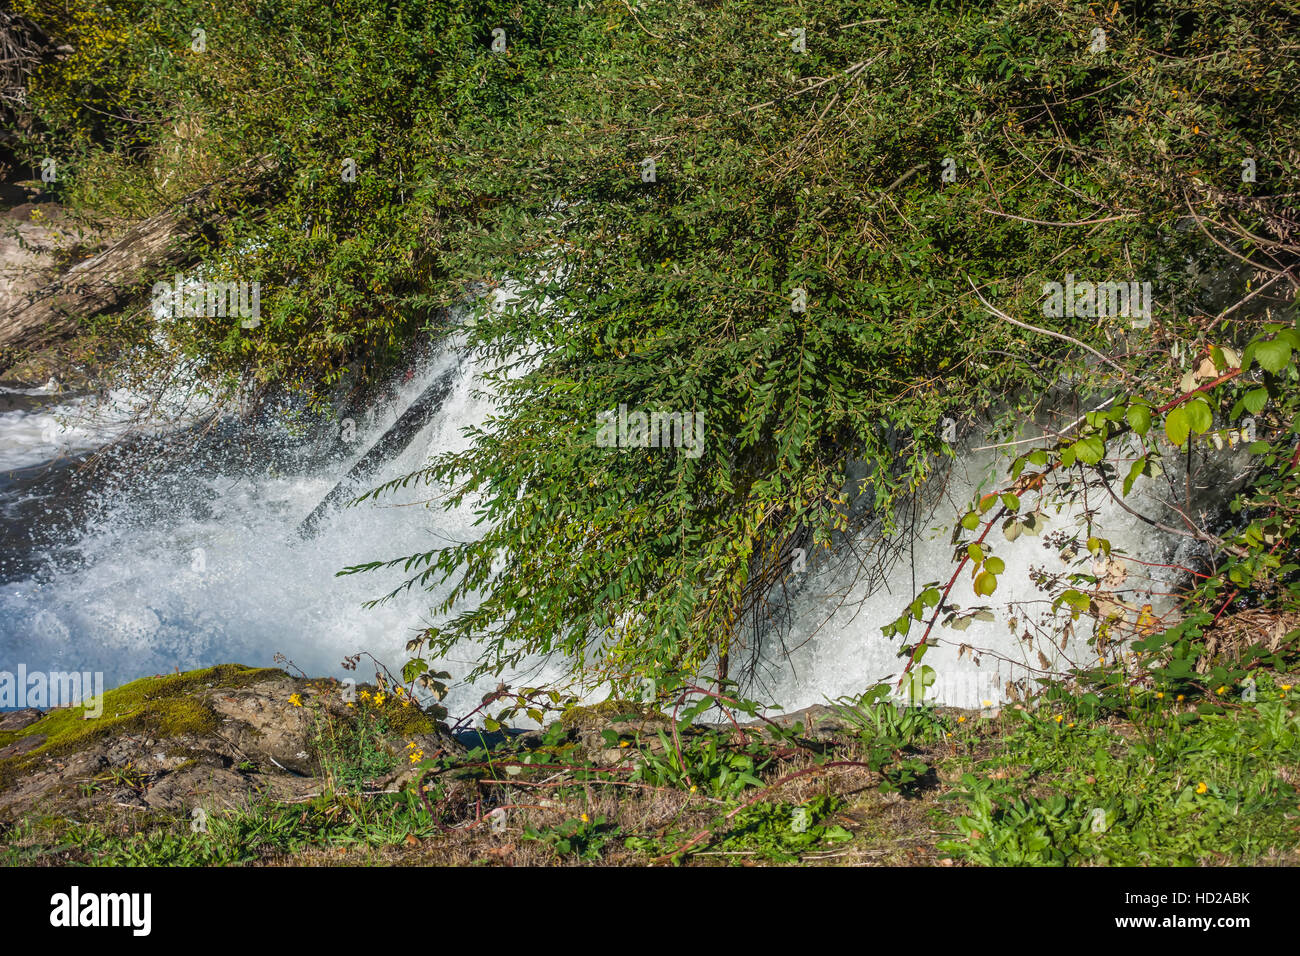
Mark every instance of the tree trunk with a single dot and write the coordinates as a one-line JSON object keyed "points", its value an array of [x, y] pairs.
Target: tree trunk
{"points": [[111, 278], [391, 444]]}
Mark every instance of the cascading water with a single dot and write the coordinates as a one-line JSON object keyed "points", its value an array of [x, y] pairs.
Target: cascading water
{"points": [[821, 638], [202, 563]]}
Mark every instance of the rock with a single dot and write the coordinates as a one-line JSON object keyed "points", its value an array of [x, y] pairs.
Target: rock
{"points": [[208, 739], [109, 279], [22, 746], [817, 720], [18, 719], [259, 720], [31, 239]]}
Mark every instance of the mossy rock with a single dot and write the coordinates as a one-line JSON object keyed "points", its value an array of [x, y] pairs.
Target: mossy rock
{"points": [[406, 719], [599, 716], [163, 706]]}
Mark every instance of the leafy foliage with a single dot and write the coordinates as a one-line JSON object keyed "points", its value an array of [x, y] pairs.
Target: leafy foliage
{"points": [[798, 270], [777, 173], [1183, 793]]}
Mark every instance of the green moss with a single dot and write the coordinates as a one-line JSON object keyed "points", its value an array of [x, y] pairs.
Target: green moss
{"points": [[165, 706], [409, 721], [595, 716]]}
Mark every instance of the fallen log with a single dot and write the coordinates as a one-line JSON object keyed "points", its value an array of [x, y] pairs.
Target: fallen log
{"points": [[392, 443], [109, 280]]}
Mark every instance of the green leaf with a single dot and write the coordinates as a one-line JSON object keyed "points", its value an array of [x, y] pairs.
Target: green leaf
{"points": [[1076, 599], [1089, 450], [1134, 472], [1199, 416], [1139, 418], [1273, 355], [1177, 427], [1255, 400], [985, 584]]}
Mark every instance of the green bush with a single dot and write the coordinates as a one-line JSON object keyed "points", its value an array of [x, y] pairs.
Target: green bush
{"points": [[779, 175]]}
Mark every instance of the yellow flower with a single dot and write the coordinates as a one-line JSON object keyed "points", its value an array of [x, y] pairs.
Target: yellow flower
{"points": [[1179, 697], [624, 743], [1160, 695], [693, 788], [1070, 724], [1286, 688], [365, 695], [961, 719], [1201, 788], [1221, 690], [379, 700], [585, 818], [417, 756], [1059, 717], [295, 699]]}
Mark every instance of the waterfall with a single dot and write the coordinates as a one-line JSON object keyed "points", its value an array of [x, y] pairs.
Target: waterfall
{"points": [[820, 637], [200, 562]]}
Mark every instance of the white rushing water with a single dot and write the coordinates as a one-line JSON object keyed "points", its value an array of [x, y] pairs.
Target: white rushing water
{"points": [[223, 576], [228, 578], [832, 645], [31, 436]]}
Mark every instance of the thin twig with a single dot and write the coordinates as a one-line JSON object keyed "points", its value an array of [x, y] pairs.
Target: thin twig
{"points": [[1033, 328]]}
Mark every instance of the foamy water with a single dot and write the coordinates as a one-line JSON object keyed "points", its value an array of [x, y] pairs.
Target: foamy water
{"points": [[224, 576], [29, 438], [829, 643], [218, 572]]}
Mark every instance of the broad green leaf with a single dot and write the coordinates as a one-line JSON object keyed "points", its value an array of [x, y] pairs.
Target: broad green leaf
{"points": [[1139, 418], [1199, 416], [1089, 450], [1273, 355], [1177, 426]]}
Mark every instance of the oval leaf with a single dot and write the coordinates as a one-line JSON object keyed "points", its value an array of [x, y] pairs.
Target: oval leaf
{"points": [[1177, 426]]}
